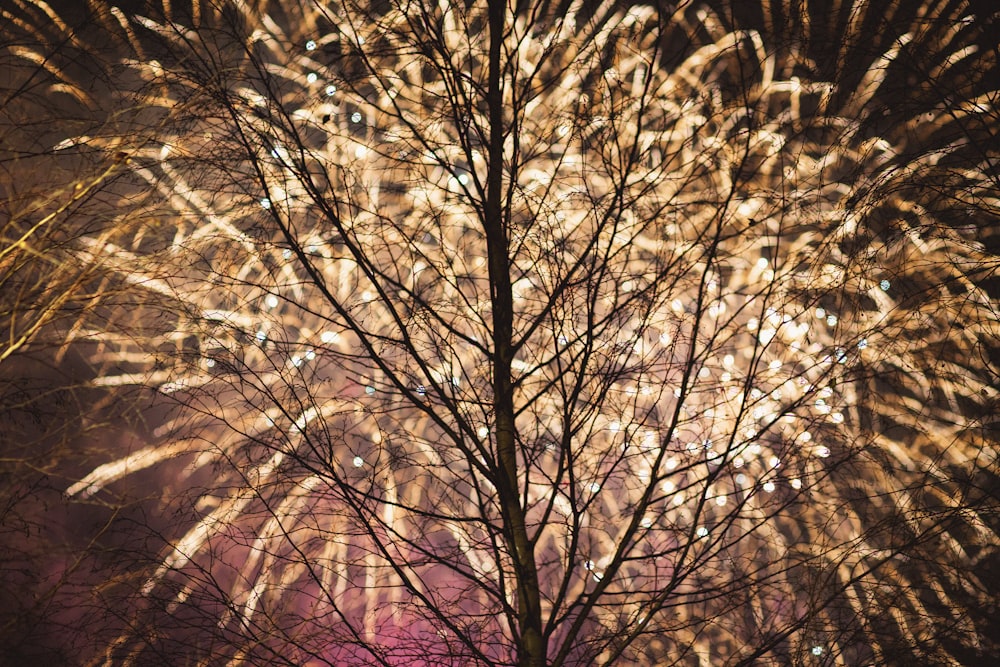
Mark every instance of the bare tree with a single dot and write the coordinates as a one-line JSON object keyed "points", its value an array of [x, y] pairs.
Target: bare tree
{"points": [[557, 333]]}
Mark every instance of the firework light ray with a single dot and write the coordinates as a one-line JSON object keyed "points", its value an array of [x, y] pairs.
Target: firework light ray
{"points": [[747, 357]]}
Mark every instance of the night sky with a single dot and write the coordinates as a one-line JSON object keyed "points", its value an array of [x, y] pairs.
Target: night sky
{"points": [[849, 298]]}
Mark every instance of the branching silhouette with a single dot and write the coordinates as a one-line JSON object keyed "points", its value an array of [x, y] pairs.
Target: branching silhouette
{"points": [[542, 333]]}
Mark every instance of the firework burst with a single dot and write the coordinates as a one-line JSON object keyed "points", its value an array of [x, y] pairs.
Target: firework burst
{"points": [[662, 333]]}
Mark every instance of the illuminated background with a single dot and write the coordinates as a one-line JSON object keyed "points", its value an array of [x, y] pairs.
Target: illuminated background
{"points": [[751, 255]]}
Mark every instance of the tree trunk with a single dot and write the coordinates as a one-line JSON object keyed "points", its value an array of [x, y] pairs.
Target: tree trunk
{"points": [[531, 646]]}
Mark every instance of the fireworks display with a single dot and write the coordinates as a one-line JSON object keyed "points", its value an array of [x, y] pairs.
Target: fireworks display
{"points": [[665, 333]]}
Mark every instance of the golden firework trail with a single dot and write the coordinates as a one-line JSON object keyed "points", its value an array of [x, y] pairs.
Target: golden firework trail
{"points": [[747, 342]]}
